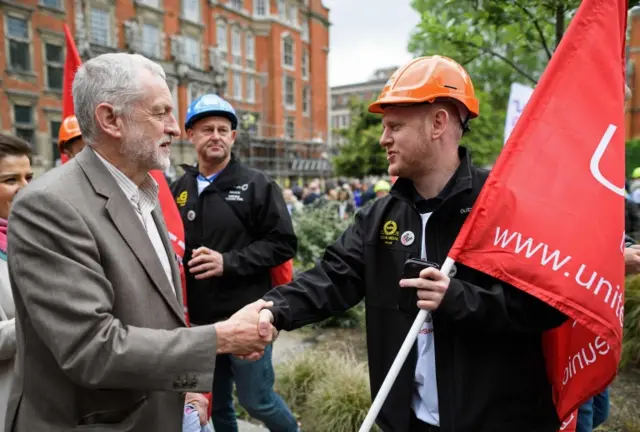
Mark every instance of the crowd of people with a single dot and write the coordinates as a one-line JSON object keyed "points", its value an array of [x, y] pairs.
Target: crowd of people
{"points": [[93, 332], [347, 196]]}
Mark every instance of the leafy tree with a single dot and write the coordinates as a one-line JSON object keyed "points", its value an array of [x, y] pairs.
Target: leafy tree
{"points": [[632, 153], [361, 155], [498, 42]]}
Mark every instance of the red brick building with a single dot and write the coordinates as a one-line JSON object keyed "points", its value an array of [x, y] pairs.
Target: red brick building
{"points": [[268, 57]]}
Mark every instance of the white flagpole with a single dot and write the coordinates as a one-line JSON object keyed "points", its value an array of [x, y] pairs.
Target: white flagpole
{"points": [[399, 361]]}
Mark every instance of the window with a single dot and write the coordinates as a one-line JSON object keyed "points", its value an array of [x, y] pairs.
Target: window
{"points": [[221, 36], [25, 125], [192, 51], [289, 92], [54, 66], [290, 128], [236, 45], [291, 14], [305, 64], [251, 89], [152, 3], [19, 43], [281, 8], [287, 51], [191, 10], [260, 7], [306, 100], [100, 27], [305, 30], [237, 86], [236, 4], [54, 128], [250, 51], [55, 4], [151, 41]]}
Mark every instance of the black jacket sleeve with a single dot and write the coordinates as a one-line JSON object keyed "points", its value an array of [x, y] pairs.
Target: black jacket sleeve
{"points": [[496, 307], [334, 285], [277, 241]]}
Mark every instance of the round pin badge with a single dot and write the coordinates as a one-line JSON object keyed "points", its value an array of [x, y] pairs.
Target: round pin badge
{"points": [[407, 238], [191, 215]]}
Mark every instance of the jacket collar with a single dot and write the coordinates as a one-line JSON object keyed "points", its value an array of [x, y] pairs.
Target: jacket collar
{"points": [[462, 180], [228, 174]]}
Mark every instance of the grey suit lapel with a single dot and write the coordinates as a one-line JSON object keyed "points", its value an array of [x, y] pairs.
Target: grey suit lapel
{"points": [[127, 222]]}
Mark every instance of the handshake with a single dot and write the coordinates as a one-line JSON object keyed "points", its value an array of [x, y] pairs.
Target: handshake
{"points": [[247, 332]]}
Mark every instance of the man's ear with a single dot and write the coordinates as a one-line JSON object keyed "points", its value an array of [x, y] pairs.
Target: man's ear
{"points": [[233, 136], [441, 119], [189, 133], [108, 120]]}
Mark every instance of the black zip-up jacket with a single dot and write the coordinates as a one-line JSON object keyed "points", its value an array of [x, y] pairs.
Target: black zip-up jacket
{"points": [[242, 215], [489, 362]]}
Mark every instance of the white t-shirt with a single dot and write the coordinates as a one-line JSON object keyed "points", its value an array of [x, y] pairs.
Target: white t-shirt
{"points": [[425, 396]]}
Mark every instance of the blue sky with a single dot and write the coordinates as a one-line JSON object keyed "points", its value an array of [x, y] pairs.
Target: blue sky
{"points": [[366, 35]]}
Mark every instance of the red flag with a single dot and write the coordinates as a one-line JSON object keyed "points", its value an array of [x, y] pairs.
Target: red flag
{"points": [[174, 226], [72, 62], [550, 219]]}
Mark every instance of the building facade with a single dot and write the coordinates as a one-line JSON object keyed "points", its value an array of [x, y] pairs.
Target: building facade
{"points": [[267, 57], [340, 114]]}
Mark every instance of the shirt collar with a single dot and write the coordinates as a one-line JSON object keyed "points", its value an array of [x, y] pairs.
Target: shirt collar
{"points": [[145, 196]]}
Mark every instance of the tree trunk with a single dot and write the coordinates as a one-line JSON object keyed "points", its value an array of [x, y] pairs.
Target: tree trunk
{"points": [[559, 23]]}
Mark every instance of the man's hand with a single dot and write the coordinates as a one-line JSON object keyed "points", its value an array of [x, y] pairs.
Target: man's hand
{"points": [[202, 405], [632, 260], [206, 262], [432, 285], [240, 335]]}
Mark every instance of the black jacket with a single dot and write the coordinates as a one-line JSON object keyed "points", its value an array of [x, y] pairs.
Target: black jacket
{"points": [[489, 362], [242, 215]]}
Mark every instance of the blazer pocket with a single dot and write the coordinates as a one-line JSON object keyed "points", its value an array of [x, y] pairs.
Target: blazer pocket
{"points": [[121, 415]]}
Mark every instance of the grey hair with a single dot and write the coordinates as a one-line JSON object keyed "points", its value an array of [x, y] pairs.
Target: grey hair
{"points": [[109, 78]]}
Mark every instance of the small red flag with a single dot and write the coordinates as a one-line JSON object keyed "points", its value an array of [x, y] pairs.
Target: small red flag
{"points": [[71, 64], [550, 218], [175, 228]]}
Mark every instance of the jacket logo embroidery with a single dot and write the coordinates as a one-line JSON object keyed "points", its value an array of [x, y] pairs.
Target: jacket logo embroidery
{"points": [[182, 199], [236, 193], [389, 232]]}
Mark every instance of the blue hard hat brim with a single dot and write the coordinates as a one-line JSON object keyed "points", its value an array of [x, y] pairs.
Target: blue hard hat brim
{"points": [[232, 118]]}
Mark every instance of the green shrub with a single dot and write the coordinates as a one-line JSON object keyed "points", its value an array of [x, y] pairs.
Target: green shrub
{"points": [[296, 378], [329, 391], [353, 318], [317, 226], [631, 343], [340, 401]]}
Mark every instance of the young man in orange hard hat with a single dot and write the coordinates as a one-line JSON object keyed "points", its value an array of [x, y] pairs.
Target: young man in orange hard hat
{"points": [[478, 364]]}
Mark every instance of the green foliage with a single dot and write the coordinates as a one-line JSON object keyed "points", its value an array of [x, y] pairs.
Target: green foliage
{"points": [[631, 343], [362, 154], [295, 379], [330, 391], [353, 318], [317, 226], [632, 156]]}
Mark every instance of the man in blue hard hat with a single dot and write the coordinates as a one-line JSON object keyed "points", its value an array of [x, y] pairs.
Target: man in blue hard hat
{"points": [[237, 227]]}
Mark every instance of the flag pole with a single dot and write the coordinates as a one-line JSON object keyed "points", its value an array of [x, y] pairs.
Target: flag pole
{"points": [[399, 361]]}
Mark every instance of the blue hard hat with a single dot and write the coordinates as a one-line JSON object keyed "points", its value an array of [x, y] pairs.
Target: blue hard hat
{"points": [[210, 105]]}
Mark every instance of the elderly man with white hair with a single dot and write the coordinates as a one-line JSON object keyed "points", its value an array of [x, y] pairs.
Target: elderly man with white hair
{"points": [[102, 341]]}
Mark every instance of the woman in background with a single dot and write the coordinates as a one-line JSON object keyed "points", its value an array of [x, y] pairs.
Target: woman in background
{"points": [[15, 173]]}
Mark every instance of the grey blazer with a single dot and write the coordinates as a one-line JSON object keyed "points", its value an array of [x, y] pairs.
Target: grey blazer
{"points": [[101, 336]]}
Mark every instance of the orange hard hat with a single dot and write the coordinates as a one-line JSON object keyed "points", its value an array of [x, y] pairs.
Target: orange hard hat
{"points": [[426, 79], [69, 129]]}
